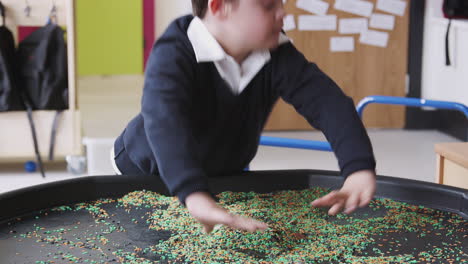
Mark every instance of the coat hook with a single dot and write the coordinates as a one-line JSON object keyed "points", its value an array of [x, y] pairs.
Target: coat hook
{"points": [[27, 9], [53, 13]]}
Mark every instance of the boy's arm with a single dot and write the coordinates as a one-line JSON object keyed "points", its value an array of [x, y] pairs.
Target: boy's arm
{"points": [[166, 104], [316, 97]]}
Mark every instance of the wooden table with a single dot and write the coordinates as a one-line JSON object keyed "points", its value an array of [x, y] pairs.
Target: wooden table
{"points": [[452, 164]]}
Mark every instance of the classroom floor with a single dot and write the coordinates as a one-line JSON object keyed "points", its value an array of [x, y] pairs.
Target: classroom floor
{"points": [[399, 153]]}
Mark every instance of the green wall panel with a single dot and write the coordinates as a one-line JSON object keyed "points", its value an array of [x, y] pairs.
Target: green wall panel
{"points": [[109, 37]]}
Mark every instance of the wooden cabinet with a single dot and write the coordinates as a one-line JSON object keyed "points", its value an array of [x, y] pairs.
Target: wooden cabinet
{"points": [[452, 164]]}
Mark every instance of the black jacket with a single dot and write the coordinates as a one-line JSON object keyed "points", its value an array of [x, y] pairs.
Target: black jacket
{"points": [[9, 93], [42, 58]]}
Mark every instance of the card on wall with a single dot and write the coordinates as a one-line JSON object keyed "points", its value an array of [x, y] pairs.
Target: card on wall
{"points": [[381, 21], [357, 7], [374, 38], [341, 44], [289, 23], [396, 7], [317, 23], [352, 25], [317, 7]]}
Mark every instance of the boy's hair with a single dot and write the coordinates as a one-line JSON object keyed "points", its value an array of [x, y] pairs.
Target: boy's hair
{"points": [[200, 6]]}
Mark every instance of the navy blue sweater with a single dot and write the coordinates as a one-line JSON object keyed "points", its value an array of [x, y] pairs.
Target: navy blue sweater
{"points": [[192, 126]]}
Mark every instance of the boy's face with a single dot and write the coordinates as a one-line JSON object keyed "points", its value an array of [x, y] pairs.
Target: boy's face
{"points": [[255, 24]]}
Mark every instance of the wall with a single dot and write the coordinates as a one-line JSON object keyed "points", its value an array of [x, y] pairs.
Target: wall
{"points": [[108, 103], [441, 82], [39, 15], [168, 10]]}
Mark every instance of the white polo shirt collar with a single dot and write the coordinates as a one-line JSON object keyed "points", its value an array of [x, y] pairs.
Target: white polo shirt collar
{"points": [[207, 49]]}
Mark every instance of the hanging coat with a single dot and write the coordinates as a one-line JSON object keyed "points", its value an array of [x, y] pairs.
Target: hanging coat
{"points": [[43, 76], [9, 93]]}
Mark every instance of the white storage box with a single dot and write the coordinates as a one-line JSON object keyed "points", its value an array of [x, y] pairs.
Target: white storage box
{"points": [[98, 155]]}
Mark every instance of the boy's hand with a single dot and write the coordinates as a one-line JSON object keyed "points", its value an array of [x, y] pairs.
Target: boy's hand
{"points": [[357, 190], [205, 210]]}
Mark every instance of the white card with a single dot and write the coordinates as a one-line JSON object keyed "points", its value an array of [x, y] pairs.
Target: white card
{"points": [[352, 25], [396, 7], [289, 23], [374, 38], [317, 23], [381, 21], [317, 7], [341, 44], [357, 7]]}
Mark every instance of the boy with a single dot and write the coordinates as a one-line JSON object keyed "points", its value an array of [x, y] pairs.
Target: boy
{"points": [[210, 84]]}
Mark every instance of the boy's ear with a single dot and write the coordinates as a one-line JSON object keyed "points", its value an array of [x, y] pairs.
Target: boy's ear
{"points": [[219, 7], [214, 6]]}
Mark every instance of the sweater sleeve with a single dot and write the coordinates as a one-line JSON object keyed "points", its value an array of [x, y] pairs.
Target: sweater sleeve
{"points": [[166, 104], [324, 105]]}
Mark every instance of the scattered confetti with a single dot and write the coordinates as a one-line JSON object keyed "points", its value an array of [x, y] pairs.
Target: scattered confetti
{"points": [[146, 227]]}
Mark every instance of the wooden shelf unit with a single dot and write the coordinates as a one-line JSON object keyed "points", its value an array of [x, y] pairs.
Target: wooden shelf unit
{"points": [[15, 136]]}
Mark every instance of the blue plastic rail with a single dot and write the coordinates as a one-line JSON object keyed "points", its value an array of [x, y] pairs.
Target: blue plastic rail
{"points": [[295, 143], [415, 102], [379, 99]]}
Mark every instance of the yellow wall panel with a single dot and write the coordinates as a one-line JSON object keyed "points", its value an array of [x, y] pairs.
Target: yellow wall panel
{"points": [[109, 37]]}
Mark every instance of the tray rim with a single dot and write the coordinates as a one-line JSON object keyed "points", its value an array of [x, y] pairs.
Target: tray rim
{"points": [[14, 204]]}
